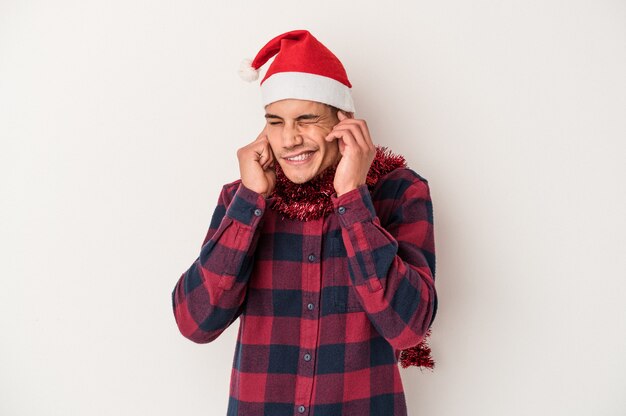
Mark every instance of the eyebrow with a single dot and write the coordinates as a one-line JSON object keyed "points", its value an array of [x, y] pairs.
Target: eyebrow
{"points": [[299, 118]]}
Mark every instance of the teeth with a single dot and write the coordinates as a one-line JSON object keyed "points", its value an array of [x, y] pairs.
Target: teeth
{"points": [[301, 157]]}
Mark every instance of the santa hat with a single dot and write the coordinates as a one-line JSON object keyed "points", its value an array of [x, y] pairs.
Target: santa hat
{"points": [[302, 69]]}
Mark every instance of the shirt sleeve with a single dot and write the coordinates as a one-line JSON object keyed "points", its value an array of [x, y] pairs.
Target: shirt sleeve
{"points": [[392, 268], [210, 295]]}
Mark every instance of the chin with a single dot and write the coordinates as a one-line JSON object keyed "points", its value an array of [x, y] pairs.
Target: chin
{"points": [[299, 176], [298, 179]]}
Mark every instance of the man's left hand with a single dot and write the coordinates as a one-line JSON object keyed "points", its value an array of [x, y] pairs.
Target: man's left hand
{"points": [[357, 153]]}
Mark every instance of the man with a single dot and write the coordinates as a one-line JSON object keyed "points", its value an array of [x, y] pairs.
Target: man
{"points": [[324, 248]]}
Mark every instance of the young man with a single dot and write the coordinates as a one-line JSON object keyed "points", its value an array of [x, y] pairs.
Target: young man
{"points": [[324, 248]]}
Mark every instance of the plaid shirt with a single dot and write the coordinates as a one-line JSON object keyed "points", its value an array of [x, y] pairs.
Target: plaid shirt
{"points": [[325, 305]]}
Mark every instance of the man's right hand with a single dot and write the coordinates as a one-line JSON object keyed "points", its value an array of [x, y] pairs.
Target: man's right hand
{"points": [[256, 166]]}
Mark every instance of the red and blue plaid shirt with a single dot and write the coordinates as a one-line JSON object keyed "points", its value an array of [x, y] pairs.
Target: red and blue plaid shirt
{"points": [[325, 305]]}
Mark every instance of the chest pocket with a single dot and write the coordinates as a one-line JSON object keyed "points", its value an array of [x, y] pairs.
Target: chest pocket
{"points": [[344, 296]]}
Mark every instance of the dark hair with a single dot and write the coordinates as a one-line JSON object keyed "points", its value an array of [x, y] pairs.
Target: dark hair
{"points": [[333, 109]]}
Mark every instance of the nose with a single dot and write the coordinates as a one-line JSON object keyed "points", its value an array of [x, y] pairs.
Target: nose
{"points": [[291, 136]]}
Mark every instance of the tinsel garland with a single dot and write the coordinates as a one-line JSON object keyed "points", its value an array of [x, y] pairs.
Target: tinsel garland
{"points": [[311, 200]]}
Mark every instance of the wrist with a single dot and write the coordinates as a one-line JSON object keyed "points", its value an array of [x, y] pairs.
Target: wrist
{"points": [[340, 193], [342, 190]]}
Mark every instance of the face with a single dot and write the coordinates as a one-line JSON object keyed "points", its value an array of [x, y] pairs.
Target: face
{"points": [[296, 130]]}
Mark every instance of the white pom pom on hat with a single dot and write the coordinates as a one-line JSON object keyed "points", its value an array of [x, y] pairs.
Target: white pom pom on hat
{"points": [[247, 71], [303, 68]]}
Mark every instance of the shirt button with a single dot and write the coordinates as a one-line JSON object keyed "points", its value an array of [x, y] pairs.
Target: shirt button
{"points": [[311, 258], [307, 357], [341, 210], [310, 306], [301, 409], [258, 212]]}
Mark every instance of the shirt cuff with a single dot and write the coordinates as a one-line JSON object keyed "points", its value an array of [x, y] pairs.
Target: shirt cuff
{"points": [[247, 206], [354, 206]]}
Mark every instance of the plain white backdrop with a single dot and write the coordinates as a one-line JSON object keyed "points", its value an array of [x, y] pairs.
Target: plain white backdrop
{"points": [[119, 123]]}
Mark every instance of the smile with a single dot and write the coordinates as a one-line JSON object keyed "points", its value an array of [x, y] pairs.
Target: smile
{"points": [[300, 158]]}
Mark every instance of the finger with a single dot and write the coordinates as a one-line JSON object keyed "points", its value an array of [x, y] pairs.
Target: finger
{"points": [[269, 148], [346, 115], [267, 164], [268, 156], [346, 123], [270, 153], [357, 134], [345, 137], [335, 134], [262, 155], [367, 139], [340, 143], [261, 137], [331, 136], [360, 131]]}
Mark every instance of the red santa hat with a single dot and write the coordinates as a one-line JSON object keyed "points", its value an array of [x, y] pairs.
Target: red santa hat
{"points": [[302, 69]]}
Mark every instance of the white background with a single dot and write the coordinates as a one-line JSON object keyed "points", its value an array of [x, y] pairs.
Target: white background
{"points": [[119, 123]]}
